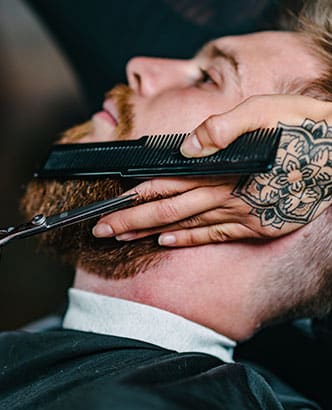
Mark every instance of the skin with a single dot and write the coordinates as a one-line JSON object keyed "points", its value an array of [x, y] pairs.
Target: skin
{"points": [[232, 288], [165, 103], [234, 71]]}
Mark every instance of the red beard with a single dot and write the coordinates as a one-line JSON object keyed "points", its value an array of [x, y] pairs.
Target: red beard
{"points": [[76, 244]]}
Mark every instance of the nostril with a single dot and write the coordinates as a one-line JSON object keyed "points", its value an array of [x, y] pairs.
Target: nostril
{"points": [[137, 82], [134, 81], [139, 71]]}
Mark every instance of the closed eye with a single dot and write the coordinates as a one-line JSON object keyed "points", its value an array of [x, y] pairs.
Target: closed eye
{"points": [[205, 77]]}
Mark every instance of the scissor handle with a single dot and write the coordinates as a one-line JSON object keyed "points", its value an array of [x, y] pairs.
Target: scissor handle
{"points": [[35, 225]]}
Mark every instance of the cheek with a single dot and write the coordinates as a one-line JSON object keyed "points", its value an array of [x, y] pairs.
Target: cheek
{"points": [[180, 111]]}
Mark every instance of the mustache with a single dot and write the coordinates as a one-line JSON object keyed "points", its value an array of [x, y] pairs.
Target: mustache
{"points": [[121, 95], [75, 244]]}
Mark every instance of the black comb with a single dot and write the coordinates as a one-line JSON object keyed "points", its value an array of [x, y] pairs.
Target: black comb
{"points": [[159, 155]]}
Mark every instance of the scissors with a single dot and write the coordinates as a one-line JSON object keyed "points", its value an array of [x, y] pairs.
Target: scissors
{"points": [[41, 223]]}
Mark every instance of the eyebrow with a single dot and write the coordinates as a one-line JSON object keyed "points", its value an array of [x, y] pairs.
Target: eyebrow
{"points": [[217, 52], [213, 51]]}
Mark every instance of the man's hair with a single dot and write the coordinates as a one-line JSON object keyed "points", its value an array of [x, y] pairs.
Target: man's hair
{"points": [[314, 20], [290, 289], [108, 257]]}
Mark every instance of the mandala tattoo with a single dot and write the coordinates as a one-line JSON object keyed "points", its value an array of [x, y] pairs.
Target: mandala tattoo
{"points": [[301, 178]]}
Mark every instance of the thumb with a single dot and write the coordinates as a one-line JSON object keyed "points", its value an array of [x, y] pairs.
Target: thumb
{"points": [[219, 130]]}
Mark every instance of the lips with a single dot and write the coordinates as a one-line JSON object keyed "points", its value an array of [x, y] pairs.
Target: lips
{"points": [[105, 124], [110, 109]]}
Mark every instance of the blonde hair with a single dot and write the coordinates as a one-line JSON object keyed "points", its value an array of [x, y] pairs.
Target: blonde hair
{"points": [[314, 21]]}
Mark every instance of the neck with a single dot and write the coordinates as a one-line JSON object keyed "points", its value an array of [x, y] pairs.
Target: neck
{"points": [[189, 285]]}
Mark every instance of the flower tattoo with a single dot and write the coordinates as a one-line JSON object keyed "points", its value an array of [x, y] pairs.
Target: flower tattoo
{"points": [[300, 180]]}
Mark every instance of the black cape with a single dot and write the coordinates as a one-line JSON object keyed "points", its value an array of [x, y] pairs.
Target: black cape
{"points": [[66, 369]]}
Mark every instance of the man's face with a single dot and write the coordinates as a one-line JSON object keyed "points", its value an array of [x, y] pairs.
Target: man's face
{"points": [[166, 96], [170, 96]]}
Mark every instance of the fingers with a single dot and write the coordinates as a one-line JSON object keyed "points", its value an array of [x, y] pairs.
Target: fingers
{"points": [[195, 221], [159, 188], [261, 111], [204, 235], [163, 212]]}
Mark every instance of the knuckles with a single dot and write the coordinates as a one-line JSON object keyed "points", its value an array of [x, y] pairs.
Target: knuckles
{"points": [[191, 238], [167, 211], [191, 222], [216, 130], [217, 234], [121, 225], [148, 190]]}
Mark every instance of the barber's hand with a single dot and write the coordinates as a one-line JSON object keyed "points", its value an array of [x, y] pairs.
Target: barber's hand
{"points": [[216, 209]]}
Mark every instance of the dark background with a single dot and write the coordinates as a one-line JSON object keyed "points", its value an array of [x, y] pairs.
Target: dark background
{"points": [[39, 98]]}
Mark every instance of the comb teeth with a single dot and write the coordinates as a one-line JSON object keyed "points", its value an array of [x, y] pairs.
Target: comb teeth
{"points": [[157, 145], [159, 155], [169, 141]]}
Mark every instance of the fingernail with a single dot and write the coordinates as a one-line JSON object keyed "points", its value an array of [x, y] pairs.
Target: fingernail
{"points": [[126, 236], [166, 240], [191, 146], [102, 230]]}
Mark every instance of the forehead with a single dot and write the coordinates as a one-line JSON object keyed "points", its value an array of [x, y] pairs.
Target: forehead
{"points": [[268, 60]]}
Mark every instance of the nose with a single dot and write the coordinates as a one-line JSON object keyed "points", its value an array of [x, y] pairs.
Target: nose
{"points": [[149, 76]]}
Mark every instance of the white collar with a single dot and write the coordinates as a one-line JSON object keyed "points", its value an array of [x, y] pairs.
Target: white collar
{"points": [[92, 312]]}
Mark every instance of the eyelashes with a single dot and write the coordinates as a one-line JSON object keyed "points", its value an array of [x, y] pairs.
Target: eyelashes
{"points": [[210, 76], [205, 77]]}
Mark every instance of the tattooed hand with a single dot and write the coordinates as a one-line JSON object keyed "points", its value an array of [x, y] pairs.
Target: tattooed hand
{"points": [[206, 210], [300, 181]]}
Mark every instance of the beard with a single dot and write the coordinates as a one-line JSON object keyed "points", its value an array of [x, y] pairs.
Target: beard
{"points": [[75, 244]]}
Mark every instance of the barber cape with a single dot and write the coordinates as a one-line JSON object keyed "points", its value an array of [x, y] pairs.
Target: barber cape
{"points": [[75, 369]]}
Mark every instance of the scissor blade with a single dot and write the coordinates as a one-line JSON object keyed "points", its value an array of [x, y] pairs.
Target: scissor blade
{"points": [[89, 211], [65, 218]]}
